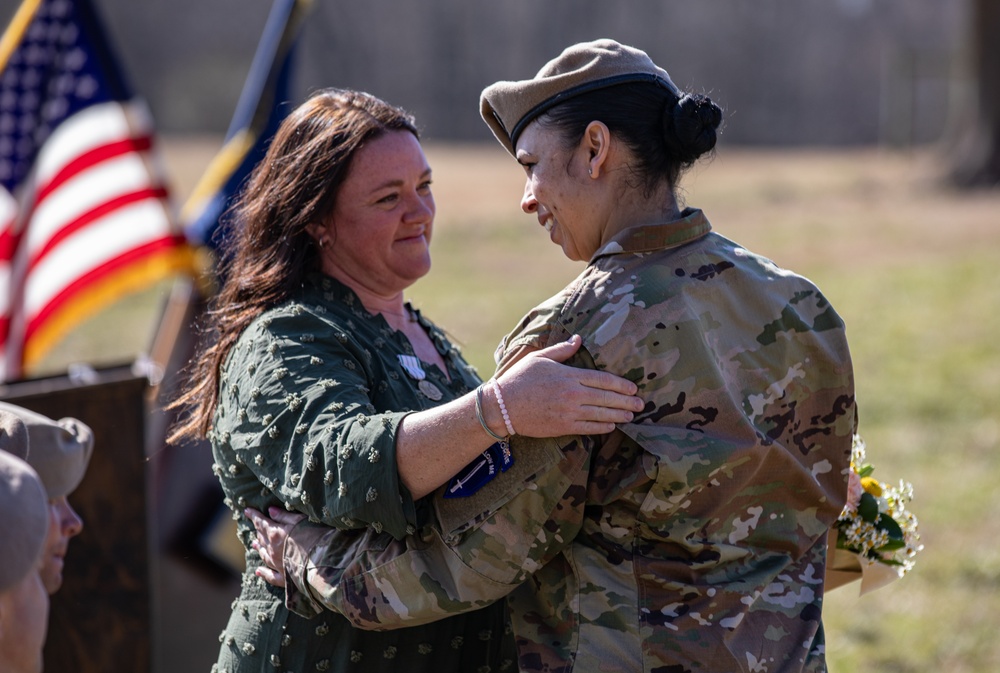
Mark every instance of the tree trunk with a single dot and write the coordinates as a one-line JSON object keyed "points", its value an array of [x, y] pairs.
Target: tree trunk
{"points": [[976, 148]]}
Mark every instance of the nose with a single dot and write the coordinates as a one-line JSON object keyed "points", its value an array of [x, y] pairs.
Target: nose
{"points": [[70, 521], [528, 202], [421, 208]]}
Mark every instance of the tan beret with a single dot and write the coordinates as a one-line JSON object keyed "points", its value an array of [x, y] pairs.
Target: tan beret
{"points": [[508, 107], [59, 450], [24, 522], [13, 435]]}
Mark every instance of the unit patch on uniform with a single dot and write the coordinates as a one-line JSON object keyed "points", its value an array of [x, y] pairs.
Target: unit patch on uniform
{"points": [[494, 460]]}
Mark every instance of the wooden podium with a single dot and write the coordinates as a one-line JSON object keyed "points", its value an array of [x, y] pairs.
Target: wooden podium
{"points": [[100, 620]]}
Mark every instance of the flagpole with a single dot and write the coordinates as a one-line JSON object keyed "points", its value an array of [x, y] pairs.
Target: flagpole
{"points": [[257, 114], [261, 107]]}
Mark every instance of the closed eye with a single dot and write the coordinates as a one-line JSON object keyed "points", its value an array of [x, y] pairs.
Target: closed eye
{"points": [[527, 160]]}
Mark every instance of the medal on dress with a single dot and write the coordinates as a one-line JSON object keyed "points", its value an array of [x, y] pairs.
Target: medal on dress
{"points": [[430, 390], [411, 366]]}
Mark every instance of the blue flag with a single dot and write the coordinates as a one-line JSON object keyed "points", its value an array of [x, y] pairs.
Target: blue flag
{"points": [[263, 105]]}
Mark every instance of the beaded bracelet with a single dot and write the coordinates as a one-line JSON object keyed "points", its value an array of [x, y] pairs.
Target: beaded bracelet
{"points": [[503, 407], [479, 415]]}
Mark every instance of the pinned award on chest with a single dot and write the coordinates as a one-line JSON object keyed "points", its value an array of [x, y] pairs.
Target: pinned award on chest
{"points": [[411, 365]]}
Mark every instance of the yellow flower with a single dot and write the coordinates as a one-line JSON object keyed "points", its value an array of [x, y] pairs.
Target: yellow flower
{"points": [[872, 486]]}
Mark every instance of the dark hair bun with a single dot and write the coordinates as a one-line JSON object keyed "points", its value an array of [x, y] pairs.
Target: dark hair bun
{"points": [[690, 126]]}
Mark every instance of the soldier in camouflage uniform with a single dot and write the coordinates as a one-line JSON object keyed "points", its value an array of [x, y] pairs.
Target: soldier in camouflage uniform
{"points": [[694, 537]]}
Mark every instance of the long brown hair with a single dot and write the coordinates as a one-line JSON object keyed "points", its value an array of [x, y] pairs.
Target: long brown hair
{"points": [[270, 250]]}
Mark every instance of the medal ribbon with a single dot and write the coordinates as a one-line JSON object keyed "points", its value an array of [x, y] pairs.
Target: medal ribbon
{"points": [[412, 367]]}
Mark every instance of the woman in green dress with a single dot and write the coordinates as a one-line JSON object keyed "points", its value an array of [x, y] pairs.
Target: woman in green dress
{"points": [[324, 392]]}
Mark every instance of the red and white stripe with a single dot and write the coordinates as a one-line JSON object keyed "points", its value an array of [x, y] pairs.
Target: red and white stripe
{"points": [[92, 205]]}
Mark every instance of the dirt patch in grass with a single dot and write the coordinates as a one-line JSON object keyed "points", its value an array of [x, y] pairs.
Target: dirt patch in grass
{"points": [[801, 207], [848, 207]]}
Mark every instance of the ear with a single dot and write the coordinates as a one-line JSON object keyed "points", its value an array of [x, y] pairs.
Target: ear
{"points": [[597, 142], [317, 231]]}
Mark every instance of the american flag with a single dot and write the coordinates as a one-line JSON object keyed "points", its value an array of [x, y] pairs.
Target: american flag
{"points": [[83, 213]]}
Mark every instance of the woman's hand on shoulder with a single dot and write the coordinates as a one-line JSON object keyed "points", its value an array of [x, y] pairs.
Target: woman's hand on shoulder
{"points": [[545, 398]]}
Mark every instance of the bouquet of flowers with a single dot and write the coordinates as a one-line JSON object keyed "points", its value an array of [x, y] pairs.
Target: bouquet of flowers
{"points": [[876, 535]]}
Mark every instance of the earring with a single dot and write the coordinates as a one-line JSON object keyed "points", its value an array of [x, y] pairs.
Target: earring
{"points": [[322, 241]]}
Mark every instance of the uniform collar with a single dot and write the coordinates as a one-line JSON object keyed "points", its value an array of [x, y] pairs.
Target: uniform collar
{"points": [[692, 225]]}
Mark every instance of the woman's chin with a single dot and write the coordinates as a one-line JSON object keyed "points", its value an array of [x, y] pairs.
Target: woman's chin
{"points": [[418, 268]]}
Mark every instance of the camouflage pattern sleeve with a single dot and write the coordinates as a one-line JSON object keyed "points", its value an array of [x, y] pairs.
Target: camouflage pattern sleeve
{"points": [[380, 583], [301, 539]]}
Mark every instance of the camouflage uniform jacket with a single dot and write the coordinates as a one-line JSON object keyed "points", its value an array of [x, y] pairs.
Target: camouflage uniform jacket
{"points": [[693, 538], [310, 399]]}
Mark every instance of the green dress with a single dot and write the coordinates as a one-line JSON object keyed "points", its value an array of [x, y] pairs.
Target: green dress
{"points": [[310, 398]]}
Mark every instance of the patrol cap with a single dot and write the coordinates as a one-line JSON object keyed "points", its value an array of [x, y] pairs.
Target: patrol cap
{"points": [[508, 107], [13, 435], [25, 519], [60, 450]]}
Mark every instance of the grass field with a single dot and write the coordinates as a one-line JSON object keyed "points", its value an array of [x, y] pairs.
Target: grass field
{"points": [[910, 266]]}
